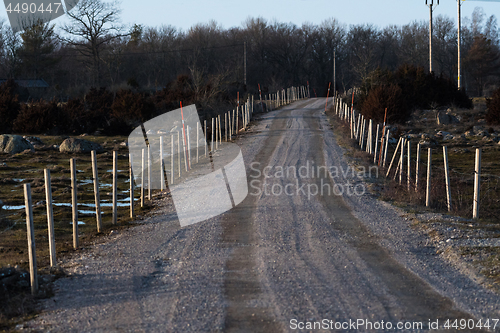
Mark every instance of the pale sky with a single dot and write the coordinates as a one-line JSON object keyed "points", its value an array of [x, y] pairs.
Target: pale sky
{"points": [[230, 13], [183, 14]]}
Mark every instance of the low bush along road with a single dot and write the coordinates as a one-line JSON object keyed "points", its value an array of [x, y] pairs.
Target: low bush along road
{"points": [[284, 259]]}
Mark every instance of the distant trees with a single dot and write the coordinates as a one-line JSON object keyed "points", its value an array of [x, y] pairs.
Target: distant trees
{"points": [[39, 42], [483, 62], [94, 49]]}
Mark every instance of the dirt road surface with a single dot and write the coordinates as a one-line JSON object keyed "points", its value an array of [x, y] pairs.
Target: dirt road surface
{"points": [[275, 262]]}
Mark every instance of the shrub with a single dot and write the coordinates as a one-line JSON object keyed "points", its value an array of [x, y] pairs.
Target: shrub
{"points": [[39, 117], [128, 110], [74, 111], [493, 105], [179, 90], [386, 96], [97, 104], [418, 89], [9, 105]]}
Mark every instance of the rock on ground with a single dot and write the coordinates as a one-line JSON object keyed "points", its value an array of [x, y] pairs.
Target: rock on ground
{"points": [[73, 145], [444, 118], [14, 144]]}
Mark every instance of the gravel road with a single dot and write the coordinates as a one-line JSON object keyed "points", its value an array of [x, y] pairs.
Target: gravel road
{"points": [[285, 257]]}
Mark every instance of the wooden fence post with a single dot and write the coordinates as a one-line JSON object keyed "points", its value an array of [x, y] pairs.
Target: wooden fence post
{"points": [[162, 174], [115, 184], [30, 228], [206, 137], [197, 142], [184, 146], [386, 146], [393, 157], [149, 172], [417, 168], [237, 118], [376, 145], [143, 171], [179, 152], [216, 132], [225, 125], [50, 218], [97, 198], [447, 177], [74, 203], [429, 174], [402, 161], [477, 180], [212, 141], [408, 176], [172, 162], [132, 187], [220, 130], [188, 146]]}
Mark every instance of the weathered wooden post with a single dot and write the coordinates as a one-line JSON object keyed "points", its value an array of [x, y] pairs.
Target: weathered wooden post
{"points": [[150, 174], [97, 198], [447, 177], [408, 176], [417, 168], [143, 171], [376, 145], [115, 184], [30, 228], [179, 152], [132, 187], [206, 138], [188, 146], [172, 162], [74, 203], [386, 146], [477, 181], [197, 142], [393, 157], [50, 218], [212, 141], [429, 174], [401, 161], [162, 174]]}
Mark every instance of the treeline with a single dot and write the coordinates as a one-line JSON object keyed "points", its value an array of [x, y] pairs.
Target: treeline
{"points": [[99, 111], [74, 57]]}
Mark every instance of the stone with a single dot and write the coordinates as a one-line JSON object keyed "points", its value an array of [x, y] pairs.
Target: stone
{"points": [[14, 144], [34, 140], [448, 137], [73, 145], [482, 134], [476, 129], [469, 133], [444, 118]]}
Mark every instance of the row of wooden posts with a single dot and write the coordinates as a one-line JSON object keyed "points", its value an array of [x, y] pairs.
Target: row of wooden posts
{"points": [[376, 142], [243, 113]]}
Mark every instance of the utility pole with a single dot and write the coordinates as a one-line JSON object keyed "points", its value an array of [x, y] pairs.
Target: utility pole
{"points": [[245, 64], [459, 42], [430, 3]]}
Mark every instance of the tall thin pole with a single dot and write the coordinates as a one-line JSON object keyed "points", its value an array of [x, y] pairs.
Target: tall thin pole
{"points": [[430, 38], [459, 40], [334, 74], [245, 64]]}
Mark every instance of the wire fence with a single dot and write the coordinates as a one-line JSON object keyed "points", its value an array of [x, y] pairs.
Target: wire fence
{"points": [[402, 176]]}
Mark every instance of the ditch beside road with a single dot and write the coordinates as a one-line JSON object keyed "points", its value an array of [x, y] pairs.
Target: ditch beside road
{"points": [[274, 258]]}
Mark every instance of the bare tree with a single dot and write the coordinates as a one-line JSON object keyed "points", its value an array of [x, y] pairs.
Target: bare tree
{"points": [[94, 23]]}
